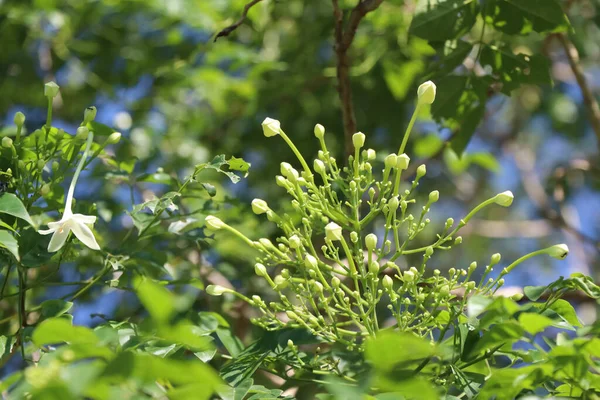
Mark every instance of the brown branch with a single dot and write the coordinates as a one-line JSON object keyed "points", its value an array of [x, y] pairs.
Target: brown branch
{"points": [[227, 31], [343, 41], [588, 97]]}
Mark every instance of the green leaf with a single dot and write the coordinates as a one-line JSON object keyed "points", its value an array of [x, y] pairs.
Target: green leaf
{"points": [[522, 16], [100, 129], [534, 292], [59, 330], [55, 308], [407, 348], [446, 20], [10, 204], [534, 323], [231, 342], [238, 164], [158, 300], [499, 334], [9, 242], [566, 311], [452, 55]]}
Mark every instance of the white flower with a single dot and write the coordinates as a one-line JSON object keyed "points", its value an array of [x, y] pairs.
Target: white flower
{"points": [[271, 127], [79, 224], [426, 93]]}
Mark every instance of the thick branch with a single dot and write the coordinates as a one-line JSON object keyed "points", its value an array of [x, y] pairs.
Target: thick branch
{"points": [[343, 41], [588, 97], [227, 31]]}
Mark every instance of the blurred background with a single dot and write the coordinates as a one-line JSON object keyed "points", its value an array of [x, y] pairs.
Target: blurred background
{"points": [[155, 73]]}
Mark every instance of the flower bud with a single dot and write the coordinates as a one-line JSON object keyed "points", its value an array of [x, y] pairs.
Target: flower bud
{"points": [[82, 133], [294, 242], [319, 166], [402, 162], [310, 262], [51, 90], [259, 206], [260, 269], [390, 161], [426, 93], [449, 222], [374, 267], [472, 266], [458, 240], [388, 283], [213, 223], [7, 142], [371, 154], [408, 276], [216, 290], [271, 127], [45, 189], [41, 164], [358, 140], [393, 204], [266, 243], [280, 281], [19, 119], [333, 231], [558, 251], [429, 251], [421, 171], [354, 237], [319, 131], [371, 241], [55, 166], [317, 286], [291, 315], [89, 114], [289, 172], [504, 199], [517, 297], [445, 290], [434, 196], [114, 138], [281, 181], [495, 259]]}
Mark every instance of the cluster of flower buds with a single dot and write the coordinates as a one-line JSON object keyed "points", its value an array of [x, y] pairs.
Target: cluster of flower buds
{"points": [[329, 273]]}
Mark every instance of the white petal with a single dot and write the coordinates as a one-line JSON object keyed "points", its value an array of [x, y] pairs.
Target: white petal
{"points": [[85, 235], [46, 231], [58, 239], [84, 219], [56, 224]]}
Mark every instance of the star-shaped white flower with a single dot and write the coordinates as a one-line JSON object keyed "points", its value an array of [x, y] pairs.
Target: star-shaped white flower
{"points": [[76, 223]]}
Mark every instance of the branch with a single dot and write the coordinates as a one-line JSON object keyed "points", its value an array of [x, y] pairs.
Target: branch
{"points": [[227, 31], [343, 41], [588, 97]]}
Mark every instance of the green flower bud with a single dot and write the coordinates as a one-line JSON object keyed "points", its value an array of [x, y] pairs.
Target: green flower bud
{"points": [[388, 283], [429, 251], [55, 166], [408, 276], [458, 240], [504, 199], [335, 282], [291, 315], [259, 206], [271, 127], [371, 154], [311, 262], [426, 93], [319, 166], [421, 171], [501, 282], [260, 269], [472, 267], [41, 164], [114, 138], [319, 131], [45, 189], [7, 142], [445, 290], [51, 90], [290, 343], [393, 204], [213, 223], [317, 286], [495, 259], [358, 140], [558, 251], [19, 119], [449, 222], [402, 162], [371, 241], [390, 161], [295, 242], [374, 267], [89, 114], [280, 281], [353, 237], [216, 290], [434, 196], [266, 243], [517, 297], [289, 172], [333, 232], [281, 181], [82, 133]]}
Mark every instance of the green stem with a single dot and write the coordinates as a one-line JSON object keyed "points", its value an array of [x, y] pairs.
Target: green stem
{"points": [[409, 129]]}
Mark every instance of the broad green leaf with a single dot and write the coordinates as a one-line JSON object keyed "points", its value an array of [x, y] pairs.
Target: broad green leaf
{"points": [[499, 334], [59, 330], [477, 304], [534, 323], [238, 164], [100, 129], [534, 292], [523, 16], [10, 204], [445, 20], [231, 342], [55, 308], [407, 348], [9, 242], [566, 311], [158, 300]]}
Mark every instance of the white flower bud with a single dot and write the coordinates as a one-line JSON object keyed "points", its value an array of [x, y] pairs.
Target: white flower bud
{"points": [[371, 154], [319, 166], [289, 172], [7, 142], [294, 242], [388, 283], [213, 223], [51, 90], [266, 243], [390, 160], [318, 286], [504, 199], [319, 131], [259, 206], [114, 138], [281, 181], [426, 93], [271, 127], [281, 282], [408, 276], [89, 114], [421, 171], [333, 231], [82, 133], [434, 196], [310, 262], [335, 282], [402, 162], [358, 139], [19, 119], [558, 251], [260, 269], [291, 315], [371, 241], [216, 290]]}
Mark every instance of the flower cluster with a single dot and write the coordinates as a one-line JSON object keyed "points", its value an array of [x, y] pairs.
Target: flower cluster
{"points": [[330, 274]]}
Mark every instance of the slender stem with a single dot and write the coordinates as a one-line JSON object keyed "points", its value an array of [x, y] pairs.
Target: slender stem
{"points": [[5, 281], [409, 129], [297, 153], [92, 282], [88, 145], [49, 117]]}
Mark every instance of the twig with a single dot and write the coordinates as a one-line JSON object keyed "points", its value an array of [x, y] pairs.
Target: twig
{"points": [[588, 97], [343, 41], [227, 31]]}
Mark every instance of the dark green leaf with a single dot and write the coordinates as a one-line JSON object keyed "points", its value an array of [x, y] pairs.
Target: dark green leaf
{"points": [[59, 330], [10, 204], [445, 20], [9, 242], [55, 308]]}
